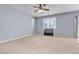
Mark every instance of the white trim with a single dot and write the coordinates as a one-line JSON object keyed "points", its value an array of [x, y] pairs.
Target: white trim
{"points": [[15, 38], [64, 36]]}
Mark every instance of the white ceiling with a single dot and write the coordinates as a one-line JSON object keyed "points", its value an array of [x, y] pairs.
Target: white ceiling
{"points": [[54, 8]]}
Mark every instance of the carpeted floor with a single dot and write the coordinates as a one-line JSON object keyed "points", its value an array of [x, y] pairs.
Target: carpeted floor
{"points": [[40, 45]]}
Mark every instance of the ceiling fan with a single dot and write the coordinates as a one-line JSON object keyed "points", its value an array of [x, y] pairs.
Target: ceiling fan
{"points": [[41, 8]]}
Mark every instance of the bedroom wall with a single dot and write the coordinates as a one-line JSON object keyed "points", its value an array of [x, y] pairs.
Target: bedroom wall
{"points": [[39, 26], [64, 24], [14, 23]]}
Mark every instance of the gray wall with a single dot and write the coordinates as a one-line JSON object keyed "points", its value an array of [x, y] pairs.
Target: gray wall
{"points": [[64, 24], [39, 26], [13, 23]]}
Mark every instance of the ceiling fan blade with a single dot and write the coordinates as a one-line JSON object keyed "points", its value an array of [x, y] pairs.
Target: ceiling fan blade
{"points": [[35, 10], [46, 9], [40, 6], [44, 4], [35, 7]]}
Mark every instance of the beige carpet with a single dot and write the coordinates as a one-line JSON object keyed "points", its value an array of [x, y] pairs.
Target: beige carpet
{"points": [[40, 45]]}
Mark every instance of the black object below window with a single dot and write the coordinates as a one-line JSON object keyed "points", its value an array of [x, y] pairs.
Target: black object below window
{"points": [[48, 32]]}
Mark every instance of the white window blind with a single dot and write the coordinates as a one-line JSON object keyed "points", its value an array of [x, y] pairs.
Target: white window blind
{"points": [[49, 23]]}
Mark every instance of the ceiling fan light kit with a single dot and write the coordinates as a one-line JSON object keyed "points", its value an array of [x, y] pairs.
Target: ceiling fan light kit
{"points": [[40, 11]]}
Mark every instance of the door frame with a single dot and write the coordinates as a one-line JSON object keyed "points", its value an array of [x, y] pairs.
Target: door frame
{"points": [[76, 26]]}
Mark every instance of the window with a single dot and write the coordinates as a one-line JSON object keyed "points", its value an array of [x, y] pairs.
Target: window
{"points": [[49, 23]]}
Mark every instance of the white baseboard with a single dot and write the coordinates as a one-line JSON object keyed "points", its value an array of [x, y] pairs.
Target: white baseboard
{"points": [[64, 36], [14, 38]]}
